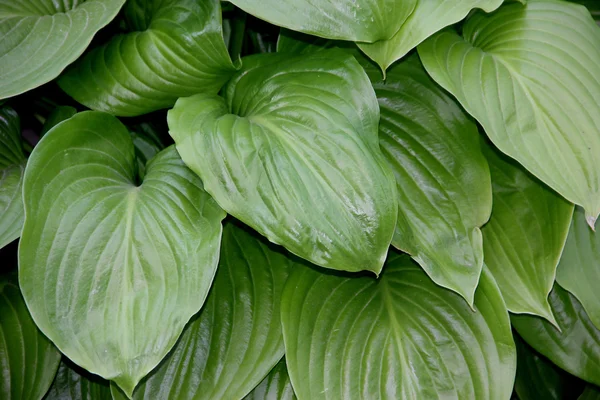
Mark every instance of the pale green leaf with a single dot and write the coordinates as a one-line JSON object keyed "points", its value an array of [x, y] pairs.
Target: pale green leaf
{"points": [[398, 337], [530, 76], [525, 236], [12, 167], [428, 17], [111, 270], [443, 180], [275, 386], [292, 151], [39, 38], [74, 383], [229, 347], [354, 20], [175, 49], [575, 347], [579, 267], [28, 360]]}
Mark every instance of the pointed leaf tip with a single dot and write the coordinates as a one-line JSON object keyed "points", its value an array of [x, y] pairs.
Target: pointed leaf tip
{"points": [[591, 221]]}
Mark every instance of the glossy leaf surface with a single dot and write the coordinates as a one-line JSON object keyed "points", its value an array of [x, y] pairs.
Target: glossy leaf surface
{"points": [[525, 236], [292, 151], [111, 270], [236, 339], [41, 37], [275, 386], [529, 75], [398, 337], [74, 383], [443, 180], [576, 347], [175, 49]]}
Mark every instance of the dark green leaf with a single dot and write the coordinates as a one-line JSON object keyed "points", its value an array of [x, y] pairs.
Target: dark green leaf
{"points": [[275, 386], [74, 383], [590, 393], [58, 115]]}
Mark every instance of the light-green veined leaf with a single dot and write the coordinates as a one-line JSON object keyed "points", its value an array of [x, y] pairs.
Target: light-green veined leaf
{"points": [[275, 386], [575, 347], [175, 49], [229, 347], [398, 337], [529, 74], [112, 270], [41, 37], [443, 180], [292, 151], [74, 383]]}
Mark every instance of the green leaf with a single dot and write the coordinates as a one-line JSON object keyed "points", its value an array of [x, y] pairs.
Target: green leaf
{"points": [[58, 115], [147, 144], [529, 75], [12, 167], [590, 393], [292, 151], [428, 17], [354, 20], [579, 267], [398, 337], [41, 37], [443, 180], [275, 386], [28, 360], [539, 379], [236, 339], [575, 347], [110, 270], [525, 236], [74, 383], [175, 49]]}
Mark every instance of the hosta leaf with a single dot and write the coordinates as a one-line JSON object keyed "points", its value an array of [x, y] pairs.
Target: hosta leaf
{"points": [[58, 115], [529, 75], [276, 385], [28, 360], [443, 180], [236, 339], [175, 48], [355, 20], [12, 167], [398, 337], [74, 383], [575, 347], [41, 37], [579, 267], [112, 270], [590, 393], [292, 151], [537, 378], [525, 236], [147, 144], [428, 17]]}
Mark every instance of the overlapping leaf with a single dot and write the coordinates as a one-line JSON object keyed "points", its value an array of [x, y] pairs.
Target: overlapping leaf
{"points": [[525, 236], [58, 115], [398, 337], [12, 167], [111, 270], [575, 347], [292, 151], [275, 386], [529, 75], [39, 38], [443, 180], [236, 339], [28, 360], [74, 383], [175, 49]]}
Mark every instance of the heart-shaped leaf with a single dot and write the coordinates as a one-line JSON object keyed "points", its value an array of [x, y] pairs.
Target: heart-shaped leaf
{"points": [[175, 49], [74, 383], [236, 339], [525, 236], [397, 337], [28, 360], [276, 385], [41, 37], [575, 347], [579, 267], [355, 20], [111, 270], [292, 151], [428, 17], [12, 167], [529, 74], [443, 180]]}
